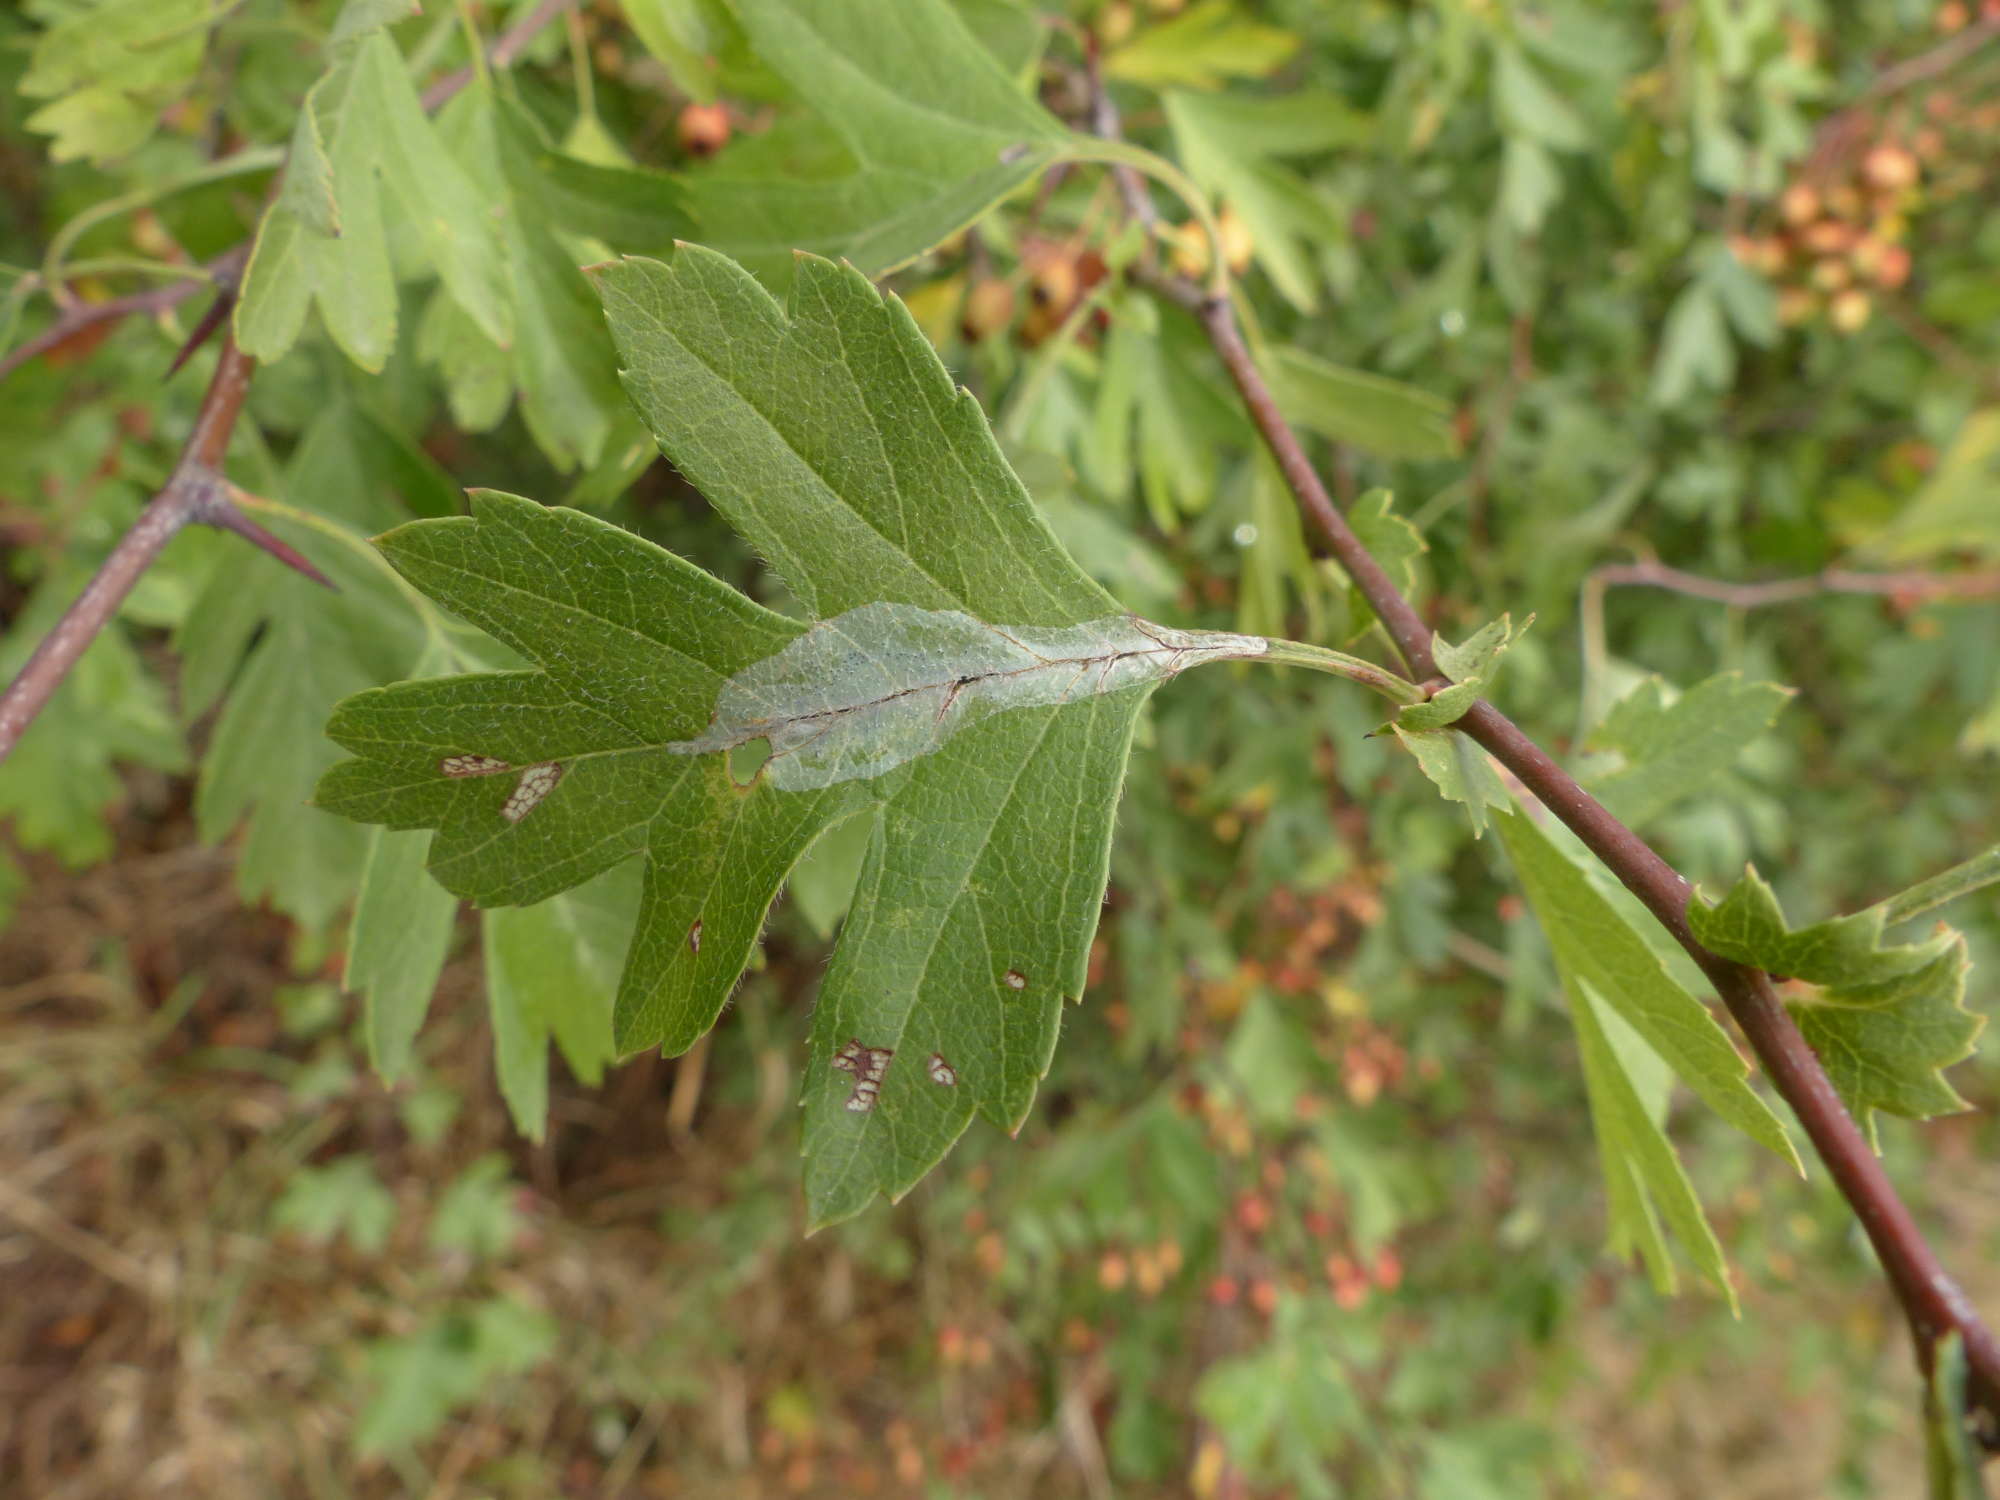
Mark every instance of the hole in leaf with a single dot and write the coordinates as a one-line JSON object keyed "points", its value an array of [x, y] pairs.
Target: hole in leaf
{"points": [[747, 759]]}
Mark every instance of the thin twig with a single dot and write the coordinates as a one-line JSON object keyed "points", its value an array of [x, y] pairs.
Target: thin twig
{"points": [[195, 493], [1940, 59], [511, 44], [1931, 1301], [80, 316], [223, 271], [1911, 586]]}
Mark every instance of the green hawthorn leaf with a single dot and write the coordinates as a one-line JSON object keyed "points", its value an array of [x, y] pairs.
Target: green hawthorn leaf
{"points": [[1391, 541], [551, 974], [396, 947], [1459, 769], [1672, 750], [561, 356], [109, 711], [1369, 412], [1643, 1177], [287, 650], [963, 688], [1592, 941], [919, 131], [1474, 658], [111, 68], [1529, 105], [1202, 48], [1441, 709], [1233, 147], [1954, 511], [367, 153], [1885, 1020]]}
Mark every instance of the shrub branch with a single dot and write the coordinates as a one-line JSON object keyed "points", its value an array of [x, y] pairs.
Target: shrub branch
{"points": [[1932, 1302]]}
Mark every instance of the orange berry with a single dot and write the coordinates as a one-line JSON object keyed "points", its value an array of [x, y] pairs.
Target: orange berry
{"points": [[1253, 1213], [1827, 236], [1264, 1296], [1799, 205], [1112, 1271], [1795, 306], [1831, 275], [703, 129], [1388, 1269], [1223, 1291], [1893, 269], [1890, 168], [1951, 16], [1115, 22], [988, 310]]}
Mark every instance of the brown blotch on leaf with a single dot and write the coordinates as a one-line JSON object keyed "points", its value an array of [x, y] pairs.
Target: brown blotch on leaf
{"points": [[694, 936], [1016, 980]]}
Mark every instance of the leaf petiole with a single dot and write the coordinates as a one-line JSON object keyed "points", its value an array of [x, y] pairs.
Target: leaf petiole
{"points": [[1947, 885], [1340, 664]]}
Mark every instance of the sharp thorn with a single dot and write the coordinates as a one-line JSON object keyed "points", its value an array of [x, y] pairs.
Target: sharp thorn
{"points": [[229, 518]]}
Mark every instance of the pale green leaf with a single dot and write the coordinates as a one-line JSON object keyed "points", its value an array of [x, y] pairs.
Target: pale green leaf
{"points": [[1530, 105], [1958, 508], [551, 974], [1369, 412], [1696, 353], [1459, 769], [1231, 146], [111, 69], [1674, 749], [1392, 541], [1643, 1177], [396, 946], [919, 131], [363, 134], [1954, 1461], [1593, 941], [1202, 48]]}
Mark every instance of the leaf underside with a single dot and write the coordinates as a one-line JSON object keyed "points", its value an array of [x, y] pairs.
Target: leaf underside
{"points": [[831, 437]]}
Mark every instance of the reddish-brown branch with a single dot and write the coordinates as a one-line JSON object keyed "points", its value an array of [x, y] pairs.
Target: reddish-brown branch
{"points": [[194, 493], [1931, 1300], [79, 317]]}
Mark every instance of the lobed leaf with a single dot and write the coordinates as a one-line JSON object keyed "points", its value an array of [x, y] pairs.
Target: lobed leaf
{"points": [[1672, 750], [1886, 1020], [967, 690]]}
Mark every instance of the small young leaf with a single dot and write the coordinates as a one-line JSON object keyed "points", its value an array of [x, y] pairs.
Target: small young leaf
{"points": [[1459, 768], [342, 1198], [1886, 1021], [1673, 750], [1392, 541], [1443, 708], [1473, 659]]}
